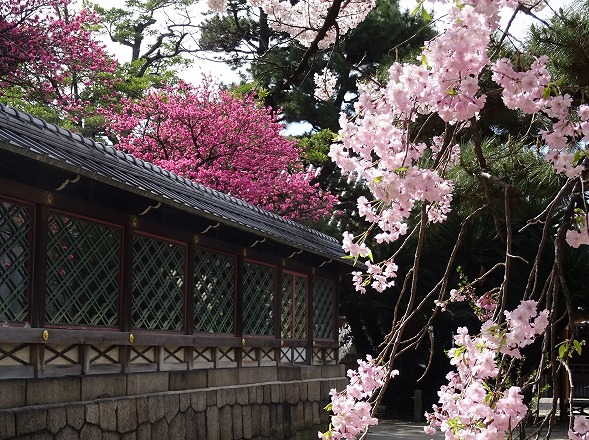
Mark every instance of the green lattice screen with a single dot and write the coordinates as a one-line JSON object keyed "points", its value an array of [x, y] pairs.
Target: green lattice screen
{"points": [[258, 293], [323, 308], [213, 292], [82, 272], [15, 250], [158, 280], [294, 306]]}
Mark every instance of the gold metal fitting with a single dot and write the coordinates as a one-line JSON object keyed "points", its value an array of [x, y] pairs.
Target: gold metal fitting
{"points": [[244, 252], [314, 344], [131, 338], [243, 342], [282, 342], [49, 198], [196, 239], [134, 222], [45, 335]]}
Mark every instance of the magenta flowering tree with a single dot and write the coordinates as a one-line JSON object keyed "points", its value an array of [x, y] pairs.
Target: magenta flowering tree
{"points": [[384, 144], [51, 59], [223, 141]]}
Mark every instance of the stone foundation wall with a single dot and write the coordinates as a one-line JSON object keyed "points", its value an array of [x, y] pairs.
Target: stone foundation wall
{"points": [[217, 404]]}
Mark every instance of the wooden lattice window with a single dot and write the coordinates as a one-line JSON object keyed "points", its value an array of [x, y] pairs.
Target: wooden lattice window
{"points": [[294, 306], [323, 308], [158, 284], [82, 272], [15, 252], [259, 282], [214, 283]]}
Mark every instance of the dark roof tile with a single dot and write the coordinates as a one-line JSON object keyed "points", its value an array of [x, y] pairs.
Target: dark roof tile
{"points": [[96, 161]]}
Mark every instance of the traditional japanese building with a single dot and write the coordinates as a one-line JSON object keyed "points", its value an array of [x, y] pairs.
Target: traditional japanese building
{"points": [[137, 302]]}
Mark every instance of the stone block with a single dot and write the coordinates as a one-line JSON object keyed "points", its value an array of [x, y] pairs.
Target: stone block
{"points": [[222, 377], [314, 391], [129, 436], [307, 414], [126, 415], [276, 421], [53, 390], [211, 398], [237, 420], [226, 423], [265, 420], [242, 395], [259, 394], [338, 370], [178, 427], [188, 380], [267, 393], [90, 432], [142, 404], [111, 436], [103, 386], [7, 425], [92, 414], [256, 428], [316, 413], [293, 392], [171, 406], [257, 375], [275, 393], [108, 415], [253, 394], [311, 372], [144, 431], [289, 373], [191, 421], [303, 391], [31, 420], [226, 396], [325, 388], [201, 425], [247, 421], [13, 394], [160, 430], [297, 417], [156, 408], [184, 401], [147, 383], [67, 433], [198, 401], [212, 414], [56, 419], [39, 436], [75, 416]]}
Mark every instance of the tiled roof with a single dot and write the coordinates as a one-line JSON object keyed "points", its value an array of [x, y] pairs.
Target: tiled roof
{"points": [[28, 136]]}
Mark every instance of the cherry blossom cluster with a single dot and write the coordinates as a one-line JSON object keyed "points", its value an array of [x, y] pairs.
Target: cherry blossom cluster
{"points": [[352, 412], [50, 51], [580, 429], [325, 82], [475, 404], [532, 91], [225, 142], [303, 19], [483, 305]]}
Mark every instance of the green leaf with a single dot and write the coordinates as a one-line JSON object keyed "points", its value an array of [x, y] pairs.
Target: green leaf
{"points": [[577, 346], [426, 15], [547, 92], [561, 351]]}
